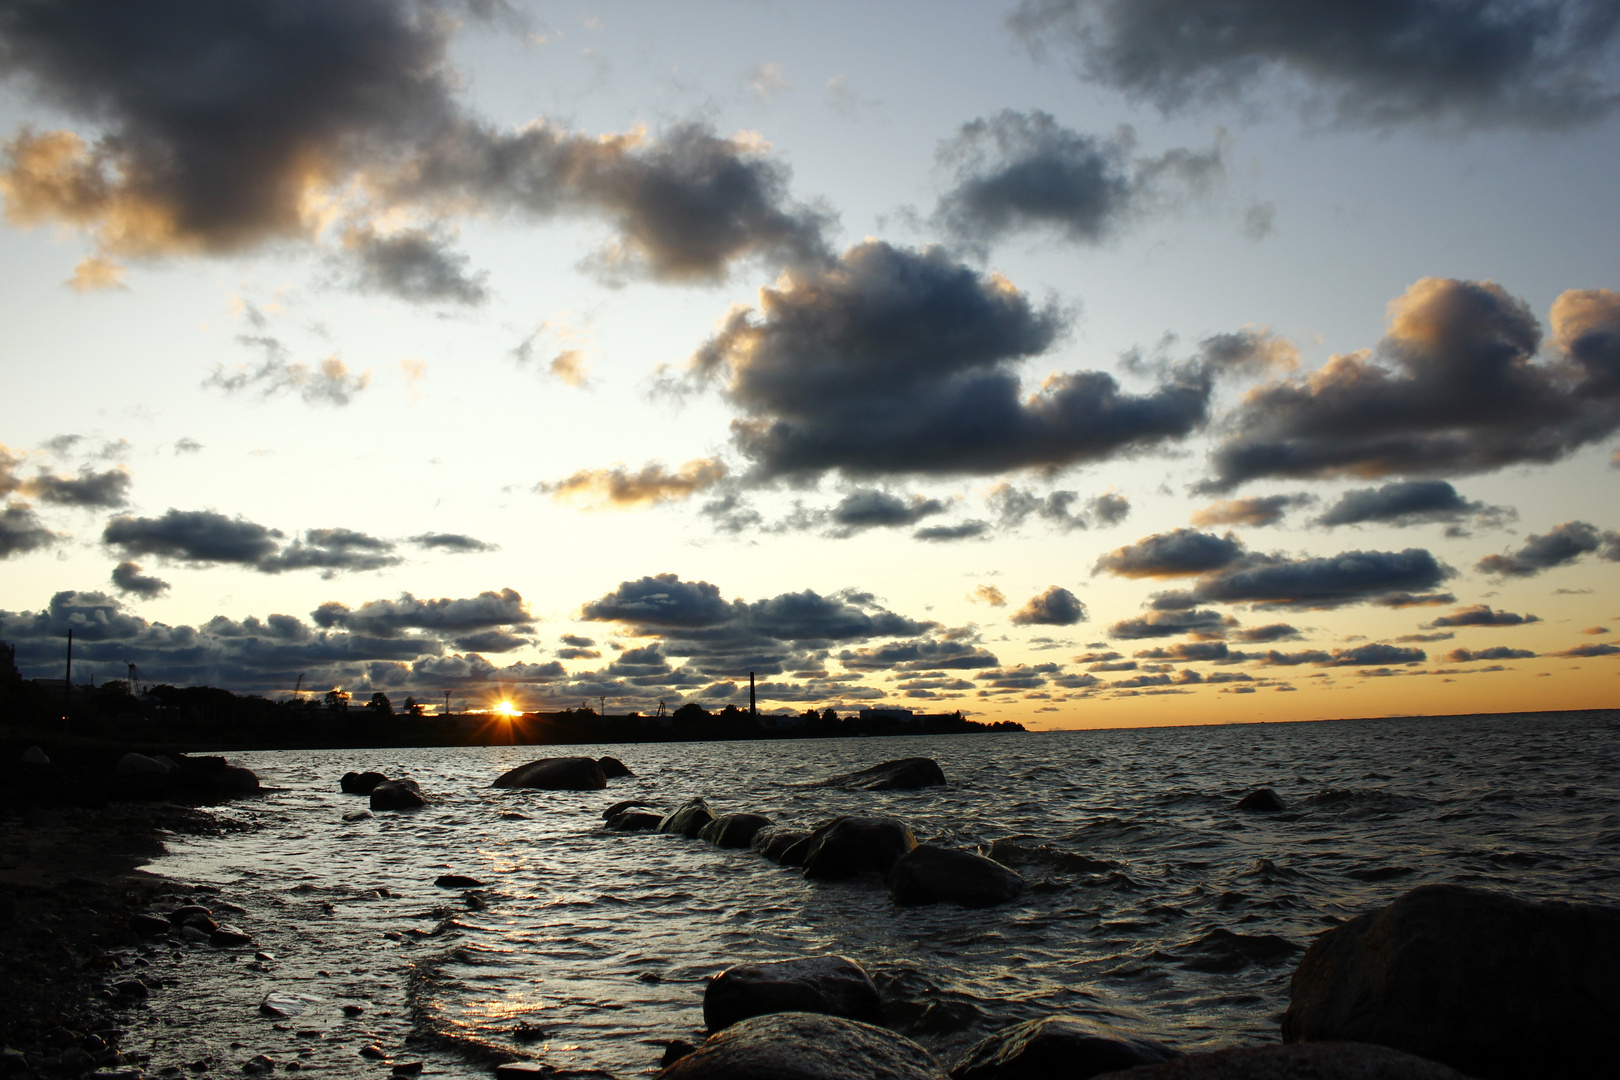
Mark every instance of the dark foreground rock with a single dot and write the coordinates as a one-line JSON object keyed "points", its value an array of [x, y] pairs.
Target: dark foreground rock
{"points": [[555, 774], [613, 768], [620, 807], [1263, 801], [805, 1046], [1318, 1061], [687, 819], [360, 783], [834, 985], [928, 875], [775, 841], [402, 794], [847, 846], [905, 774], [634, 821], [733, 830], [1489, 984], [1058, 1046]]}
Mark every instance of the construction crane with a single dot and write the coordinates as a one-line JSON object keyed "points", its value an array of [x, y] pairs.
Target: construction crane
{"points": [[135, 678], [299, 685]]}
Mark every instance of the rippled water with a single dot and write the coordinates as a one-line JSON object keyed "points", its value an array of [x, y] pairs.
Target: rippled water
{"points": [[1155, 904]]}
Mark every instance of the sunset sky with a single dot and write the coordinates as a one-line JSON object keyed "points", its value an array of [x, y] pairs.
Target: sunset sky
{"points": [[1088, 363]]}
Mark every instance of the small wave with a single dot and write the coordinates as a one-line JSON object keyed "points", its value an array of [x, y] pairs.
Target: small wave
{"points": [[1380, 873], [1011, 853], [1362, 802], [1222, 952]]}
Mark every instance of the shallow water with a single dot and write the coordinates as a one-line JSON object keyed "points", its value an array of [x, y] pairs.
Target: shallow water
{"points": [[1155, 904]]}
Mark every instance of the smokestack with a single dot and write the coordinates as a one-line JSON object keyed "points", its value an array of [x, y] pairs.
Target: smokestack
{"points": [[67, 680], [752, 708]]}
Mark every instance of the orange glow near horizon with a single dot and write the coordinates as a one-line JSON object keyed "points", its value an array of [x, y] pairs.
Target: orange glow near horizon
{"points": [[506, 709]]}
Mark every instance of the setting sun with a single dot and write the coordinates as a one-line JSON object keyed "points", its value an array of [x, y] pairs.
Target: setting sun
{"points": [[506, 708]]}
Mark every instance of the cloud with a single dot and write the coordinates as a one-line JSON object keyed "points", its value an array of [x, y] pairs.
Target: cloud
{"points": [[967, 530], [412, 264], [1582, 652], [456, 543], [1177, 553], [1410, 502], [653, 483], [1373, 653], [96, 274], [1455, 388], [897, 361], [866, 509], [186, 445], [1351, 577], [1025, 172], [1559, 546], [988, 594], [1493, 63], [90, 489], [1157, 624], [765, 81], [573, 346], [445, 616], [21, 531], [661, 601], [331, 550], [1056, 606], [327, 383], [1255, 512], [1257, 635], [1469, 656], [1014, 505], [128, 578], [204, 537], [1481, 615], [1187, 652]]}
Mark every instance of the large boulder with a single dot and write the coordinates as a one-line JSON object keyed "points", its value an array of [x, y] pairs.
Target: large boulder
{"points": [[402, 794], [927, 875], [905, 774], [834, 985], [1320, 1061], [1489, 984], [846, 846], [240, 781], [805, 1046], [634, 821], [774, 842], [620, 807], [360, 783], [556, 774], [133, 765], [733, 830], [1058, 1046], [612, 767], [687, 819]]}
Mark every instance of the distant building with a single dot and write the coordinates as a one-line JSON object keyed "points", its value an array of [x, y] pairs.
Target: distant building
{"points": [[8, 663], [888, 713]]}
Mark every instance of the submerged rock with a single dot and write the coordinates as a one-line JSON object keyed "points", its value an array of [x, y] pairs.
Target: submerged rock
{"points": [[904, 774], [613, 768], [34, 756], [556, 774], [774, 841], [1264, 801], [401, 794], [1058, 1046], [834, 985], [133, 764], [1320, 1061], [620, 807], [1491, 985], [360, 783], [805, 1046], [733, 830], [687, 819], [928, 875], [635, 822], [847, 846], [457, 881]]}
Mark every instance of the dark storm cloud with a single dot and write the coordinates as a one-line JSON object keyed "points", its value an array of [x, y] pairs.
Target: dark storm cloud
{"points": [[331, 550], [1410, 502], [1481, 615], [1014, 505], [1351, 577], [218, 125], [896, 361], [414, 264], [869, 509], [1260, 635], [198, 536], [445, 616], [1377, 63], [107, 490], [1157, 624], [1178, 553], [1583, 652], [967, 530], [1501, 652], [1025, 172], [1188, 652], [661, 601], [451, 542], [919, 655], [128, 578], [21, 531], [1454, 387], [1256, 512], [1056, 606], [1559, 546]]}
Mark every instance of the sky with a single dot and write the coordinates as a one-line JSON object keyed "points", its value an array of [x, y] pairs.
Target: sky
{"points": [[1085, 363]]}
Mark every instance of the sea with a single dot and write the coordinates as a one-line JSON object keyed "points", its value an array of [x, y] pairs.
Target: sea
{"points": [[1154, 904]]}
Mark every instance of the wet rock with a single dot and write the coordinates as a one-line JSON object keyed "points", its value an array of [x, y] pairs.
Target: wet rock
{"points": [[34, 756], [195, 934], [523, 1070], [833, 985], [134, 765], [360, 783], [457, 881], [847, 846], [1065, 1046], [733, 830], [240, 781], [1489, 984], [281, 1004], [774, 841], [402, 794], [1317, 1061], [227, 937], [149, 925], [373, 1051], [353, 1010], [133, 989], [687, 819], [556, 774], [905, 774], [674, 1050], [258, 1065], [635, 822], [527, 1032], [805, 1046], [75, 1060], [613, 768], [180, 916], [1263, 800], [407, 1068], [621, 807], [357, 815], [928, 875]]}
